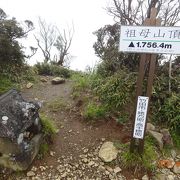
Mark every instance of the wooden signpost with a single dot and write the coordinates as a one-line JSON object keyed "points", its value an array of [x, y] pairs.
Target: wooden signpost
{"points": [[149, 39]]}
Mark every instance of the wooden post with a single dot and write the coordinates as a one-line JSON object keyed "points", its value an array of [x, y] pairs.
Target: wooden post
{"points": [[150, 61]]}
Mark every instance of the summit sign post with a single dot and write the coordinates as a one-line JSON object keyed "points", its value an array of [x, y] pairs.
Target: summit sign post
{"points": [[149, 39]]}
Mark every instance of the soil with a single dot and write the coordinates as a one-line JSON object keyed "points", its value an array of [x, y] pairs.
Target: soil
{"points": [[75, 133]]}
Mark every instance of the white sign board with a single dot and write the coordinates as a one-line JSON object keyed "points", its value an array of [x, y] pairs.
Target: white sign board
{"points": [[140, 119], [149, 39]]}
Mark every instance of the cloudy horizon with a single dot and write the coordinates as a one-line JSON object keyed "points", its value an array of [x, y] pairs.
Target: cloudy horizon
{"points": [[87, 17]]}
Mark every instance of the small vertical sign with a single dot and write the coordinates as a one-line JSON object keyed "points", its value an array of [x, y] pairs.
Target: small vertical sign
{"points": [[140, 119]]}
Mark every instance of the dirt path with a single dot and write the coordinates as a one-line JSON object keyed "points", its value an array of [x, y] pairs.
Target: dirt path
{"points": [[74, 153]]}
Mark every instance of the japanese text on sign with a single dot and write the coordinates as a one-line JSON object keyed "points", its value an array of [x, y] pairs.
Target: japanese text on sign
{"points": [[140, 119], [148, 39]]}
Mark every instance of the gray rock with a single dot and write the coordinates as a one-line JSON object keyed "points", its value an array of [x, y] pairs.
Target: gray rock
{"points": [[167, 140], [108, 152], [158, 137], [19, 131], [58, 80]]}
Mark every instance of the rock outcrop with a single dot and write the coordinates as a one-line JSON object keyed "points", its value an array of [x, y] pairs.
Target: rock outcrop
{"points": [[20, 131]]}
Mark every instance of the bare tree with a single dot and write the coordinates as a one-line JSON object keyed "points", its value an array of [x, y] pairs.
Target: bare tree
{"points": [[134, 12], [46, 37], [63, 43]]}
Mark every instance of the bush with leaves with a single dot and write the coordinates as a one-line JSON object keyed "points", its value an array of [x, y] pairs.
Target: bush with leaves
{"points": [[11, 53], [94, 111], [7, 84], [52, 70], [165, 104], [117, 90]]}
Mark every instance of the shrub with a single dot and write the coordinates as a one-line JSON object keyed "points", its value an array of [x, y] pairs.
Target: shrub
{"points": [[176, 138], [94, 111], [117, 90], [43, 69], [123, 118], [81, 81], [60, 71], [168, 112], [134, 160], [52, 70], [7, 84], [29, 74]]}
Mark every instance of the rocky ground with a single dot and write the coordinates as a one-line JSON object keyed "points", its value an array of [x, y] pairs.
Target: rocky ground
{"points": [[74, 153]]}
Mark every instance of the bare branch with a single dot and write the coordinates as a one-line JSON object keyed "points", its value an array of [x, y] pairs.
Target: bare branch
{"points": [[63, 44], [46, 38], [129, 12]]}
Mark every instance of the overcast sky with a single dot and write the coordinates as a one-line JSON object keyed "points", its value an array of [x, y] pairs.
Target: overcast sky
{"points": [[86, 15]]}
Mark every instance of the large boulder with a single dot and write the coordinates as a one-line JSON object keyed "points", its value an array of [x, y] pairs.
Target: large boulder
{"points": [[108, 152], [20, 131]]}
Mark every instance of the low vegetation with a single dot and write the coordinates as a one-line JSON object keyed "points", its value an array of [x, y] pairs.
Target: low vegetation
{"points": [[56, 105], [94, 111], [52, 70], [145, 162], [7, 84], [49, 127]]}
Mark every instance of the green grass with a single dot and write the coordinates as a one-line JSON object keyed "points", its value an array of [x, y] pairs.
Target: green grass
{"points": [[81, 81], [6, 84], [134, 160], [43, 150], [176, 139], [93, 111], [49, 127], [56, 105], [123, 118]]}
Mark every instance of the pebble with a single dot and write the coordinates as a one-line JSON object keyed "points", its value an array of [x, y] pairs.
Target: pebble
{"points": [[64, 175], [103, 139], [51, 153], [117, 170], [91, 163], [30, 174], [42, 168], [145, 177]]}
